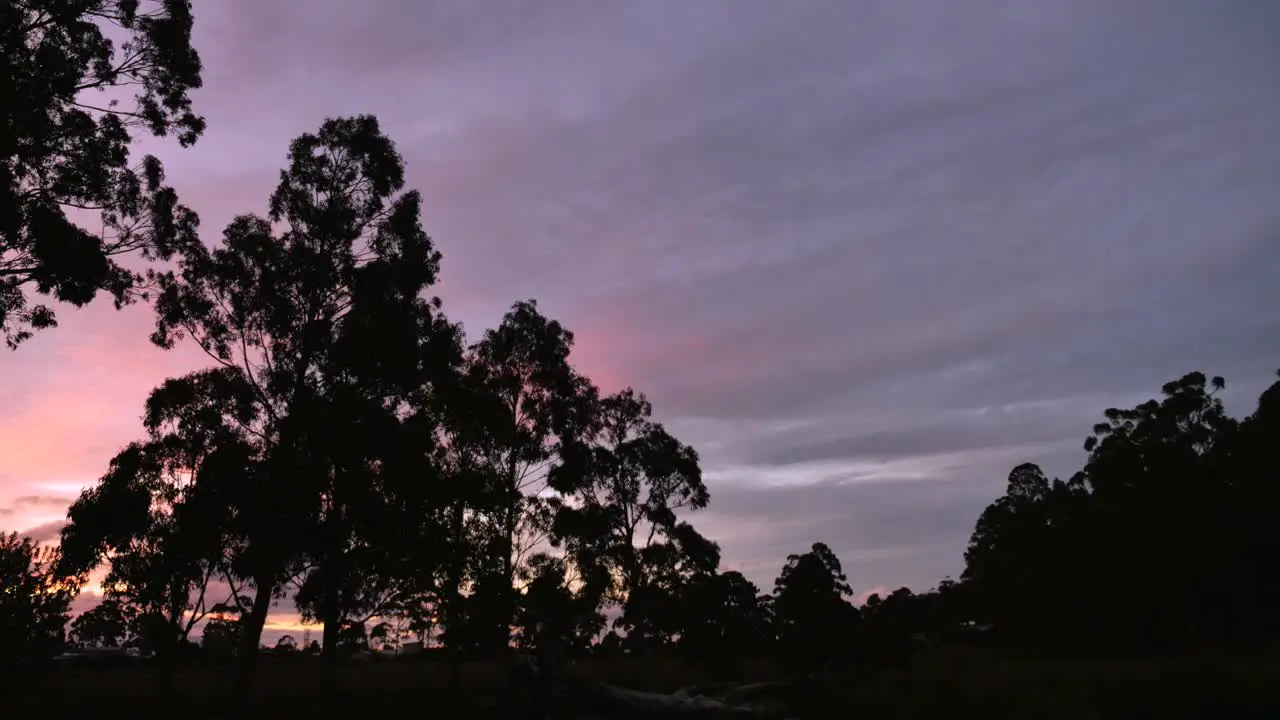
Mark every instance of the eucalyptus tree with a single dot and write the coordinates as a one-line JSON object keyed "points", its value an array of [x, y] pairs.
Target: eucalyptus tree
{"points": [[67, 68], [517, 402], [621, 484], [320, 321], [813, 619], [159, 518], [1172, 512]]}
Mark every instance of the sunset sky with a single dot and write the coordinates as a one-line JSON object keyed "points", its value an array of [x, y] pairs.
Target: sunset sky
{"points": [[864, 256]]}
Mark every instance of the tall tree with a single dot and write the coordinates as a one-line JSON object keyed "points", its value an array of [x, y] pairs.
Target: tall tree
{"points": [[518, 403], [66, 124], [304, 326], [1009, 548]]}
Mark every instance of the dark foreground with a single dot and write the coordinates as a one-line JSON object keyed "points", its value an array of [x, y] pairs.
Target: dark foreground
{"points": [[939, 686]]}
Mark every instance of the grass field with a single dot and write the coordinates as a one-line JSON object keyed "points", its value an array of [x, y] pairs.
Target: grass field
{"points": [[939, 685]]}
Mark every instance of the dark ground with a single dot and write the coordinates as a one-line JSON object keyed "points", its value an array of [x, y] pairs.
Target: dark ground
{"points": [[943, 684]]}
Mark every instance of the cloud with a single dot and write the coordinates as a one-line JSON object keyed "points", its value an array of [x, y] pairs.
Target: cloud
{"points": [[44, 532], [43, 501], [861, 597]]}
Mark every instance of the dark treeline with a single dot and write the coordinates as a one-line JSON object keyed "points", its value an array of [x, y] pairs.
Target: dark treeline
{"points": [[1165, 540], [349, 451]]}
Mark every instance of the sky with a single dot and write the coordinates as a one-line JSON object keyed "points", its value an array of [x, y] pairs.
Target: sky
{"points": [[866, 257]]}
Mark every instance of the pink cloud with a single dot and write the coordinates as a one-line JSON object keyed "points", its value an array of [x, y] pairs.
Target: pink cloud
{"points": [[44, 532], [861, 597], [76, 401]]}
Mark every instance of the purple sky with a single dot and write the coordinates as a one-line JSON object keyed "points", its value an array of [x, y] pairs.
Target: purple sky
{"points": [[865, 256]]}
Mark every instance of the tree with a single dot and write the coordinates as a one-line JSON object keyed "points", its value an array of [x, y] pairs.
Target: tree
{"points": [[551, 613], [652, 610], [517, 403], [65, 129], [622, 482], [35, 599], [1254, 512], [723, 615], [1008, 548], [323, 321], [222, 633], [890, 625], [1171, 514], [111, 623], [1158, 481], [157, 518], [353, 638], [813, 619], [384, 637], [377, 538]]}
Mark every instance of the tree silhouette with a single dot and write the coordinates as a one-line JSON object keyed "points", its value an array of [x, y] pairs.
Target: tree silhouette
{"points": [[109, 624], [623, 482], [322, 322], [723, 615], [1172, 514], [65, 130], [35, 598], [519, 401], [552, 617], [158, 519], [813, 619]]}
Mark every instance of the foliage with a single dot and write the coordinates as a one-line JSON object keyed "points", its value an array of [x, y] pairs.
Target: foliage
{"points": [[318, 336], [1171, 514], [35, 598], [109, 624], [724, 614], [517, 403], [158, 522], [623, 480], [65, 129], [813, 618]]}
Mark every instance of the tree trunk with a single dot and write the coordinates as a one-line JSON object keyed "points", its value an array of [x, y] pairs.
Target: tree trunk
{"points": [[166, 646], [453, 620], [251, 636], [508, 600], [331, 607], [331, 616]]}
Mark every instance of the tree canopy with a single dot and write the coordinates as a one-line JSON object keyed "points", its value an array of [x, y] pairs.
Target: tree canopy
{"points": [[35, 598], [79, 80]]}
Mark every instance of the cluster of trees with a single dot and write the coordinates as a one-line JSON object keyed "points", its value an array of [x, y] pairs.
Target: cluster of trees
{"points": [[347, 447], [1166, 539]]}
